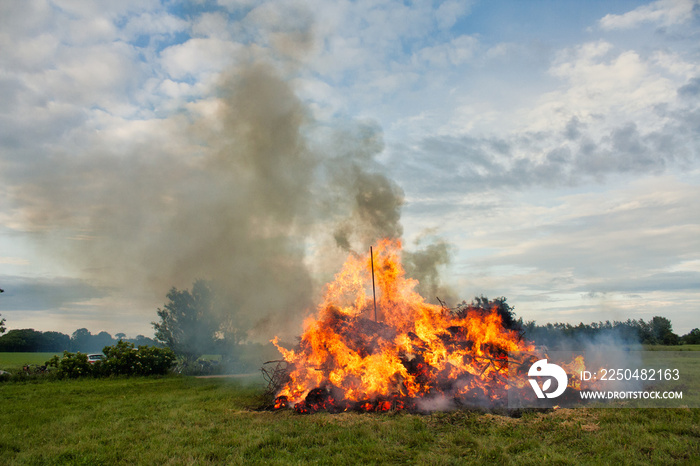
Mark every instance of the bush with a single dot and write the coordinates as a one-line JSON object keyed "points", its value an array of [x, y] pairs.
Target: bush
{"points": [[120, 359], [71, 365], [124, 359]]}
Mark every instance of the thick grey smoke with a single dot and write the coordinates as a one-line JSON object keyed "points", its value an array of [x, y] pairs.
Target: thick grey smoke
{"points": [[244, 189], [424, 262], [374, 202], [234, 196]]}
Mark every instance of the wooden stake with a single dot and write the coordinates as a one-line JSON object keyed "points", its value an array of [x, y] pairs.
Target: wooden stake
{"points": [[374, 295]]}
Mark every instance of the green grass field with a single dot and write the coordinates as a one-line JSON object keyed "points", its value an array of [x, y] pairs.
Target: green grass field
{"points": [[187, 420], [672, 348], [14, 361], [184, 420]]}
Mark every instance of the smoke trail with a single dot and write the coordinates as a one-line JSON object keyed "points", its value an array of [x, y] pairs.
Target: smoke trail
{"points": [[232, 195], [243, 188], [370, 200], [424, 262]]}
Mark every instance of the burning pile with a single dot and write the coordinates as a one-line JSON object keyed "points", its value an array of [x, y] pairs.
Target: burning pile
{"points": [[402, 354]]}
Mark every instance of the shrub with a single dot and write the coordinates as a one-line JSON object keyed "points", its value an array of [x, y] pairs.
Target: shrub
{"points": [[124, 359], [72, 365], [120, 359]]}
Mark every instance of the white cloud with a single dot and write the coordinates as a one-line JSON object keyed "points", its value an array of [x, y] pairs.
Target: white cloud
{"points": [[449, 12], [92, 8], [92, 30], [31, 55], [212, 25], [641, 238], [14, 261], [237, 4], [199, 57], [662, 13], [604, 87], [153, 24], [454, 53], [470, 117]]}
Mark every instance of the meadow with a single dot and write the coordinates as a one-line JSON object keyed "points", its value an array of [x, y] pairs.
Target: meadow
{"points": [[12, 362], [187, 420]]}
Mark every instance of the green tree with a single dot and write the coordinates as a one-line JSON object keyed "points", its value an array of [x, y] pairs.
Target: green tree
{"points": [[663, 331], [142, 340], [101, 340], [20, 340], [80, 340], [53, 341], [187, 322], [692, 337], [2, 321]]}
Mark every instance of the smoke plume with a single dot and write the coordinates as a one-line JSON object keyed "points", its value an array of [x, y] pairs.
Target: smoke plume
{"points": [[244, 189], [234, 197]]}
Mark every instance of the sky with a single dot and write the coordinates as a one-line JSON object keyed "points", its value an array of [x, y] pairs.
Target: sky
{"points": [[544, 151]]}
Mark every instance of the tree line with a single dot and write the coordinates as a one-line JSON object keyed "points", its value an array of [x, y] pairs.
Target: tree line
{"points": [[656, 331], [30, 340], [191, 325]]}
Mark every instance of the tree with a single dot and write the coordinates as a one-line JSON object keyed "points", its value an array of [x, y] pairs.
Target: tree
{"points": [[499, 305], [663, 331], [2, 321], [54, 342], [120, 336], [80, 340], [692, 337], [187, 322], [101, 340], [142, 340], [20, 340]]}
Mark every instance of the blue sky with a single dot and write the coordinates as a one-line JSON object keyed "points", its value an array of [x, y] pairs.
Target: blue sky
{"points": [[143, 144]]}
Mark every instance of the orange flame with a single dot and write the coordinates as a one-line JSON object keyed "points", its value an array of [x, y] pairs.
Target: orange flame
{"points": [[415, 350]]}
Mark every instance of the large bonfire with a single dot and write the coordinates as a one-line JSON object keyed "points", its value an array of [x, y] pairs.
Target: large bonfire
{"points": [[402, 353]]}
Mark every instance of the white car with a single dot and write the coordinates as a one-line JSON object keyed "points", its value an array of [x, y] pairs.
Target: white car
{"points": [[93, 358]]}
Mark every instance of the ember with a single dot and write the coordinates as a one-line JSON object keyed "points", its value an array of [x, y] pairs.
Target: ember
{"points": [[413, 354]]}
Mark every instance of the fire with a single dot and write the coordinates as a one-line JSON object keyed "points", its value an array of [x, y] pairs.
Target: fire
{"points": [[414, 352]]}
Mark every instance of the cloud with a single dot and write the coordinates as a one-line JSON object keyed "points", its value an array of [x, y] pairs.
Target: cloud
{"points": [[231, 191], [31, 294], [662, 13], [627, 240], [129, 155], [688, 281], [690, 90], [198, 57], [634, 247], [153, 26], [13, 261], [457, 52], [615, 112], [449, 12]]}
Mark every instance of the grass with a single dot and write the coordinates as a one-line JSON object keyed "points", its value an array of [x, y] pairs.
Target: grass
{"points": [[14, 361], [183, 420], [672, 348]]}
